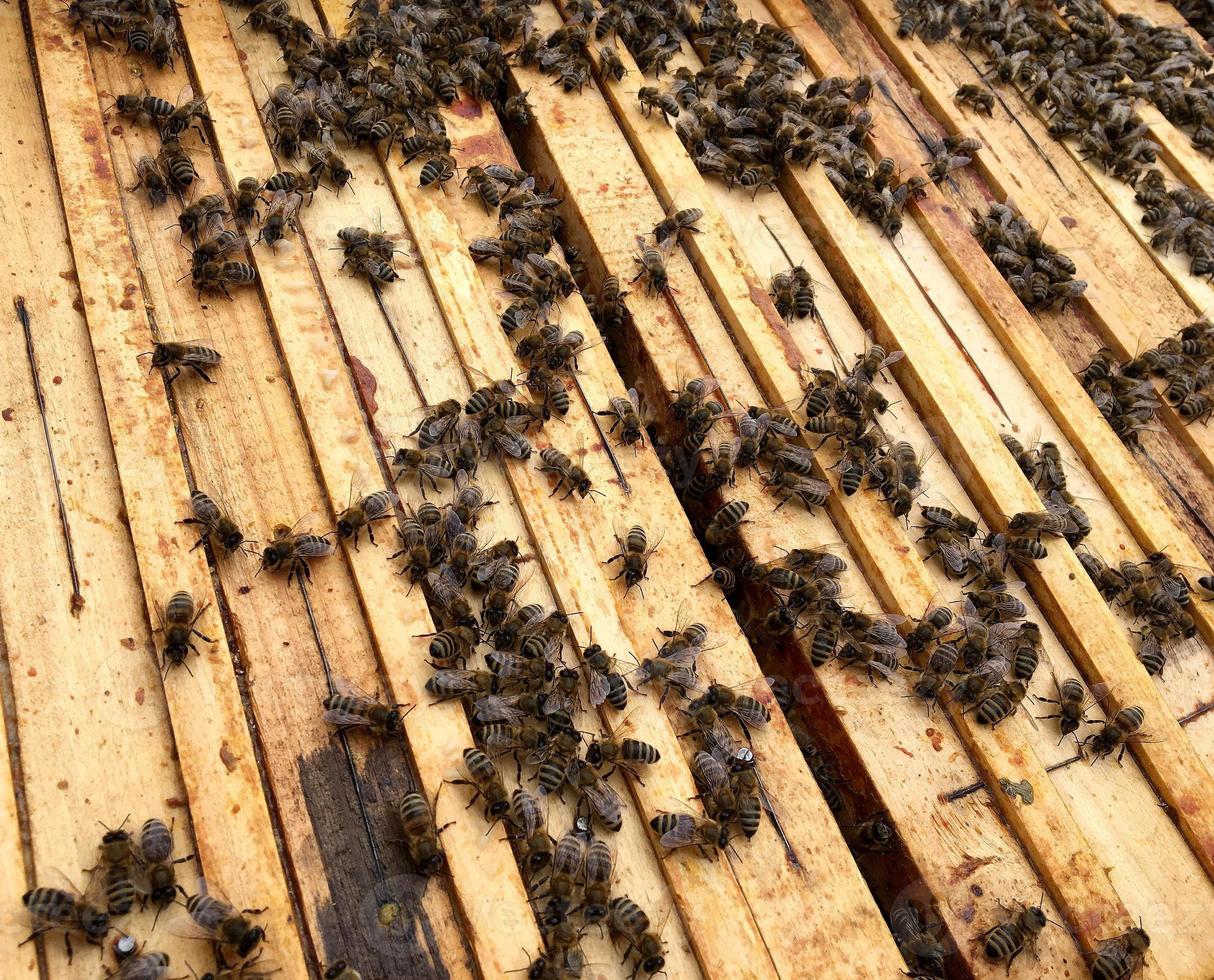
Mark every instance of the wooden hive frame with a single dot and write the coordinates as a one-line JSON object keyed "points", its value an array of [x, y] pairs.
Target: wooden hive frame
{"points": [[666, 167], [318, 339]]}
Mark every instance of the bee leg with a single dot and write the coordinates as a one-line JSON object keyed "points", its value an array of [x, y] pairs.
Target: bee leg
{"points": [[170, 378], [199, 371], [67, 945], [34, 935]]}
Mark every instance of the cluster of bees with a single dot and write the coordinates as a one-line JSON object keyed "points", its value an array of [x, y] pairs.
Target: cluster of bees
{"points": [[1199, 16], [1127, 401], [1038, 273], [149, 27], [1183, 219], [1088, 69], [1124, 392], [142, 870], [844, 408], [1156, 592]]}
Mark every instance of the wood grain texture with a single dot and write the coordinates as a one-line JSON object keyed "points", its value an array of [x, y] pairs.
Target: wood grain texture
{"points": [[497, 918], [235, 839], [1100, 896]]}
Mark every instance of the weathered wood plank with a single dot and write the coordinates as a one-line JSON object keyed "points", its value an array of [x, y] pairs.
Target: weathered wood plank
{"points": [[404, 359], [235, 838], [1118, 324], [485, 878], [908, 575], [1000, 489], [253, 454]]}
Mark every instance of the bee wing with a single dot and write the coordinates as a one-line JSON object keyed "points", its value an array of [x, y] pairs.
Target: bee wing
{"points": [[682, 834], [709, 771], [599, 687], [635, 399], [379, 504], [313, 546], [445, 590], [494, 707], [604, 800], [204, 508], [682, 677], [883, 632]]}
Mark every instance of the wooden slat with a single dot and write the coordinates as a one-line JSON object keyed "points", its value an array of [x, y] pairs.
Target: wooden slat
{"points": [[1000, 489], [678, 183], [253, 454], [1120, 476], [111, 694], [485, 878], [549, 524], [406, 360], [905, 583], [232, 825], [1112, 312]]}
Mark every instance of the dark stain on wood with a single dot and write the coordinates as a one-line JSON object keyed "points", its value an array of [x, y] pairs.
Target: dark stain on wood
{"points": [[376, 922]]}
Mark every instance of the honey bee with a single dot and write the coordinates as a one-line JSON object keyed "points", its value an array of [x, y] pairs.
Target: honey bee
{"points": [[725, 521], [917, 938], [1116, 733], [421, 835], [671, 228], [1039, 522], [347, 708], [677, 830], [117, 858], [527, 816], [439, 169], [152, 180], [567, 861], [362, 514], [143, 966], [595, 795], [280, 216], [177, 624], [175, 357], [216, 524], [651, 269], [634, 555], [976, 97], [156, 852], [194, 217], [1008, 940], [220, 275], [568, 474], [625, 413], [223, 924], [716, 790], [176, 165], [293, 552], [1118, 958], [57, 909], [482, 775], [604, 682], [627, 921]]}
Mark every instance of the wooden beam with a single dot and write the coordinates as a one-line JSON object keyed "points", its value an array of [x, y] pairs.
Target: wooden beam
{"points": [[1120, 476], [254, 455], [999, 489], [485, 878], [232, 825], [403, 358]]}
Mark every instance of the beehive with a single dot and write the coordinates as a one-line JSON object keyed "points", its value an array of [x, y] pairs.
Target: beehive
{"points": [[321, 374]]}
